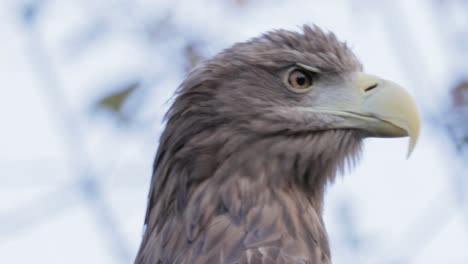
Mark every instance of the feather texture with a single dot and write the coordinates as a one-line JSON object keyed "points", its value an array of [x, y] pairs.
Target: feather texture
{"points": [[237, 179]]}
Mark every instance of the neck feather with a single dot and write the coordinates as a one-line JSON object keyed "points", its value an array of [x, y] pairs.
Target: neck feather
{"points": [[299, 162], [195, 182]]}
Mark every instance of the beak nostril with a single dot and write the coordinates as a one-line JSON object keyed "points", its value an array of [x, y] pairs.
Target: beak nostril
{"points": [[371, 87]]}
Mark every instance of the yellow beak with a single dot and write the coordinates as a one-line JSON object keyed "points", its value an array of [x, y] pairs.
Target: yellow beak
{"points": [[390, 103], [379, 108]]}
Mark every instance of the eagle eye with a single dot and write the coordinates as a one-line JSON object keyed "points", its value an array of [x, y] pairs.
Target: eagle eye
{"points": [[300, 80]]}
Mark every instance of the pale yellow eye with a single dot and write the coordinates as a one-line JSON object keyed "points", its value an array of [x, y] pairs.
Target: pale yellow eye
{"points": [[299, 79]]}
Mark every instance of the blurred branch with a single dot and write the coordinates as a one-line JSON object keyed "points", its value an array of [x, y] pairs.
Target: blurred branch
{"points": [[73, 140], [114, 102], [37, 212], [457, 126], [192, 56]]}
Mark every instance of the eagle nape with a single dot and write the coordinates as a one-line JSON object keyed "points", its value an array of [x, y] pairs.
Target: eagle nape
{"points": [[252, 138]]}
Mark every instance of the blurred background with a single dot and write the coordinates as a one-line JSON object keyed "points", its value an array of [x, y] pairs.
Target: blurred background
{"points": [[84, 86]]}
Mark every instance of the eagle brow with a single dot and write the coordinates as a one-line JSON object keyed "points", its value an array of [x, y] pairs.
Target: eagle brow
{"points": [[309, 68]]}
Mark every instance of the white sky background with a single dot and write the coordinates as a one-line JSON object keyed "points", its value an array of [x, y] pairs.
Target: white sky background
{"points": [[387, 210]]}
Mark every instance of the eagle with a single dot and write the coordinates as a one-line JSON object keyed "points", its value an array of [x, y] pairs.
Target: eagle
{"points": [[254, 136]]}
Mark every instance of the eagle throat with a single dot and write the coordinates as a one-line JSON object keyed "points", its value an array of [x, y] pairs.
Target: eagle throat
{"points": [[196, 183]]}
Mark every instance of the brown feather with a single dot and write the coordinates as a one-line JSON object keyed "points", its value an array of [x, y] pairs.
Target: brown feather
{"points": [[237, 179]]}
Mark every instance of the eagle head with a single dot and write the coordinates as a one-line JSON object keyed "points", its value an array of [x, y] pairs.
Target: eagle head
{"points": [[255, 133]]}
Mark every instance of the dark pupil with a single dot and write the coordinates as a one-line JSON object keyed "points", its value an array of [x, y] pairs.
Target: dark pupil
{"points": [[301, 80]]}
